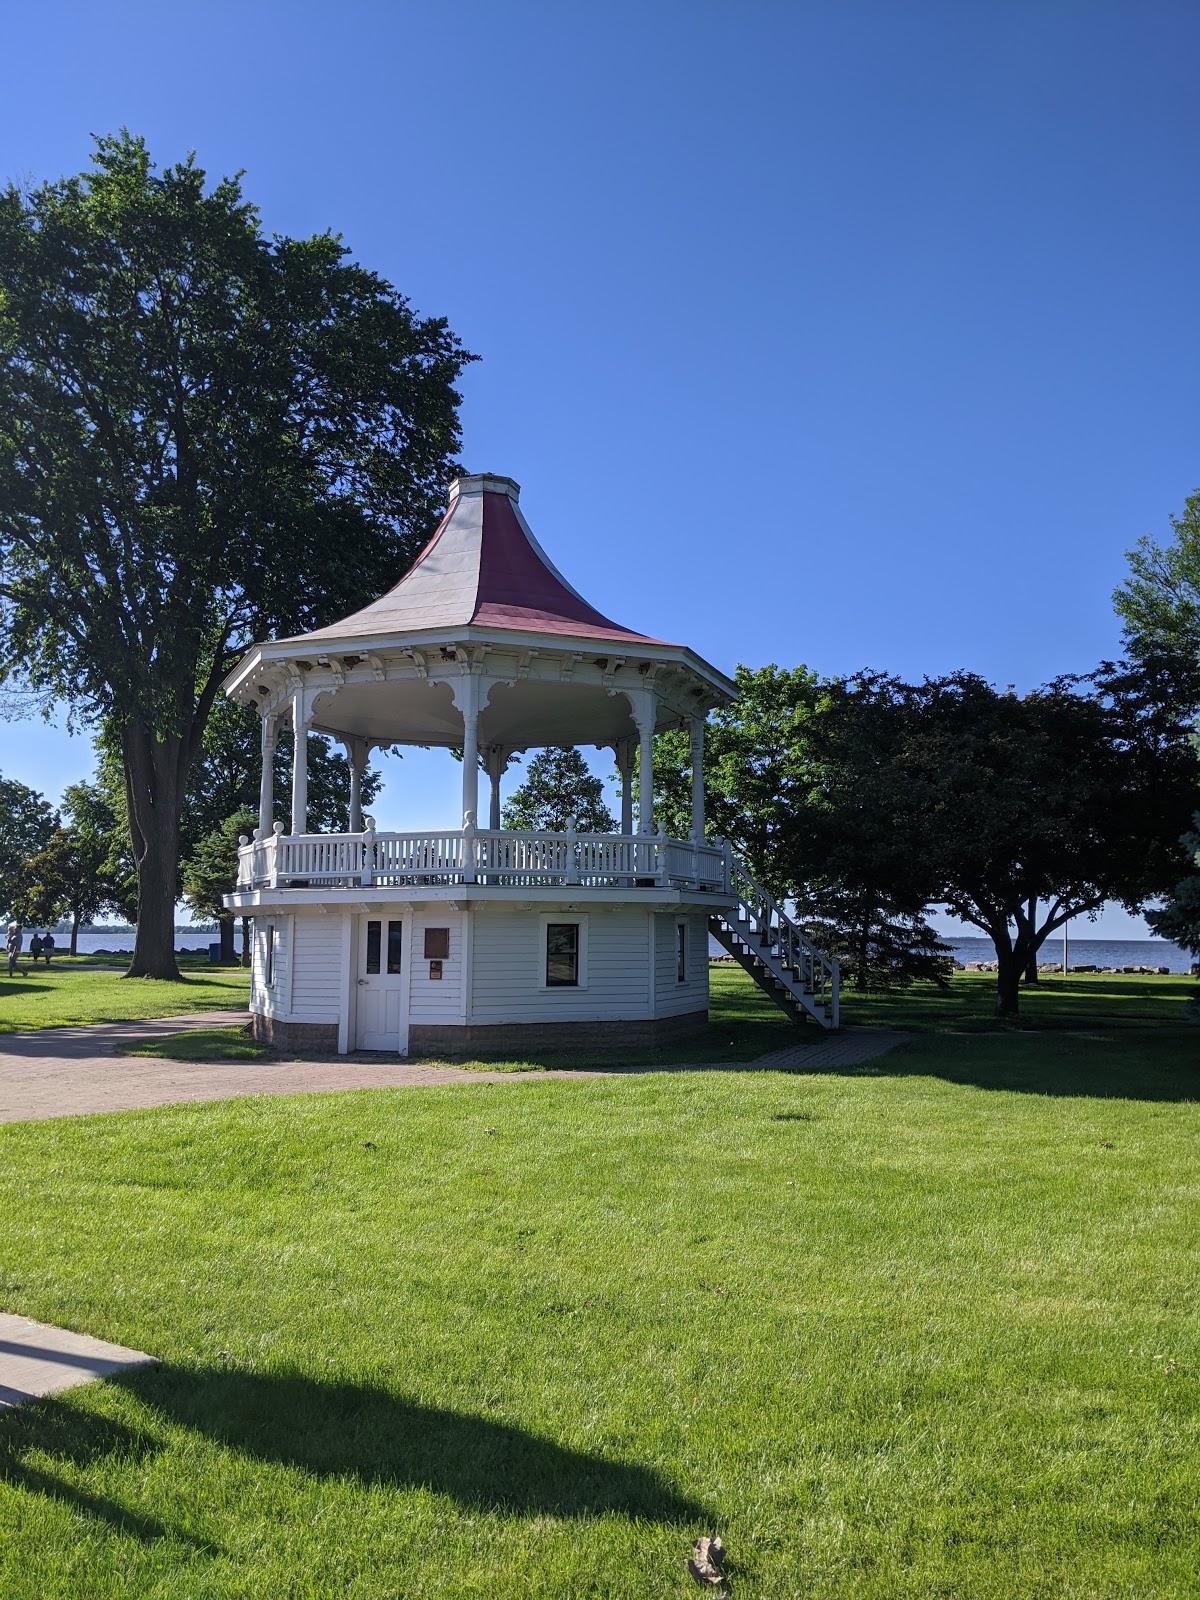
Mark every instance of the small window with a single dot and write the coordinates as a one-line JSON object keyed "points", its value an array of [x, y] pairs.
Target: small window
{"points": [[373, 931], [562, 955], [437, 944], [395, 939], [681, 952], [269, 960]]}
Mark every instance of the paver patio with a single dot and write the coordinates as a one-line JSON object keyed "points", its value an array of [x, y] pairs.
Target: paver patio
{"points": [[66, 1072]]}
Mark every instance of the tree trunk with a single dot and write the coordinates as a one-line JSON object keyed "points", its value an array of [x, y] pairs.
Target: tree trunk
{"points": [[155, 774], [1008, 985], [1031, 965], [74, 932], [245, 941], [225, 929]]}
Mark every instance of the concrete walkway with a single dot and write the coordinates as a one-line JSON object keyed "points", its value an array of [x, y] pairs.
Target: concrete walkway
{"points": [[37, 1360], [71, 1072]]}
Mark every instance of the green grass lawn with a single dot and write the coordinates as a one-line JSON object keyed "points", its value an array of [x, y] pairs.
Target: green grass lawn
{"points": [[969, 1002], [896, 1332], [744, 1023], [83, 990]]}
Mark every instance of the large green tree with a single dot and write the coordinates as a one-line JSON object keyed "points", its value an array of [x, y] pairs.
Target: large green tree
{"points": [[758, 775], [225, 777], [222, 802], [1179, 918], [1159, 602], [207, 435], [1159, 605], [27, 823], [1050, 804], [559, 792], [795, 778], [66, 878]]}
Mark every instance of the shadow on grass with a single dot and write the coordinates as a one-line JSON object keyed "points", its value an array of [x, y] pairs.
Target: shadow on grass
{"points": [[1151, 1064], [62, 1437], [331, 1430], [10, 986], [1099, 1000]]}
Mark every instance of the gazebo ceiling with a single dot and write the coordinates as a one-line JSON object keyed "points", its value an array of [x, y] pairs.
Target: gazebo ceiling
{"points": [[518, 715]]}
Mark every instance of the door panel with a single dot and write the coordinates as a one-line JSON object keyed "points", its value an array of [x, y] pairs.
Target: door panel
{"points": [[383, 964]]}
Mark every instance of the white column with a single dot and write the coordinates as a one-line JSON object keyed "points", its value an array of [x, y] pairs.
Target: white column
{"points": [[496, 764], [623, 750], [644, 704], [299, 762], [697, 778], [357, 751], [266, 784], [467, 699]]}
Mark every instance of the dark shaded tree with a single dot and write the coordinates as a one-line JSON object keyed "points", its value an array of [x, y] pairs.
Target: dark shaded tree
{"points": [[209, 435], [1067, 798], [559, 792], [877, 947], [1159, 605], [792, 779], [1179, 918]]}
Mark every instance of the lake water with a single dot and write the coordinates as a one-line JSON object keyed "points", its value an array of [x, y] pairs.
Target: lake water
{"points": [[93, 940], [1082, 953], [1087, 952]]}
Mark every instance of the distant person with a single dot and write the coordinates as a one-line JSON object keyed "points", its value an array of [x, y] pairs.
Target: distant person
{"points": [[48, 947], [13, 945], [35, 947]]}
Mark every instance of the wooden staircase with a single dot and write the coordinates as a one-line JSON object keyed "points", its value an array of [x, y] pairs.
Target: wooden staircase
{"points": [[762, 938]]}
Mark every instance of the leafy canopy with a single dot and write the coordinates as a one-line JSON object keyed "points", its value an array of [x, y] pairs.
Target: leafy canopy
{"points": [[211, 869], [27, 823], [1159, 602], [205, 435]]}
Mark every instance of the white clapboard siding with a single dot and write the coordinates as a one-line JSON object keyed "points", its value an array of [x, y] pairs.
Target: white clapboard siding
{"points": [[508, 958], [316, 986], [673, 998], [436, 999], [272, 999]]}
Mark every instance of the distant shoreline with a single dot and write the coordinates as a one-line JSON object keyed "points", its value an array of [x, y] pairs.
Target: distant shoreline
{"points": [[122, 929]]}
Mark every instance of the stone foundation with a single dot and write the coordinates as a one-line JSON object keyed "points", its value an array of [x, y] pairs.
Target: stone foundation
{"points": [[302, 1038], [496, 1038]]}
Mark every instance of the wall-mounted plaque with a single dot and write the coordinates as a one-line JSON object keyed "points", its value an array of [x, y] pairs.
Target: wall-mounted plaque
{"points": [[435, 969]]}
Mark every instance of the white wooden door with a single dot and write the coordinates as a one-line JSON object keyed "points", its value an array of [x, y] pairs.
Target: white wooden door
{"points": [[383, 961]]}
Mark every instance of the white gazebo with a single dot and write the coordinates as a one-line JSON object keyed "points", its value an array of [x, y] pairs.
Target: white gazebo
{"points": [[477, 937]]}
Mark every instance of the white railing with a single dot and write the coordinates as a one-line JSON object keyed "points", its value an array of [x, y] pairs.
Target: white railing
{"points": [[781, 942], [480, 855]]}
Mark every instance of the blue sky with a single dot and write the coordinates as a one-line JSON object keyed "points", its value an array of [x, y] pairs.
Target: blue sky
{"points": [[852, 334]]}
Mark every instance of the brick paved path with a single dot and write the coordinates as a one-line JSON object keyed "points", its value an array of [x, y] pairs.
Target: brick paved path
{"points": [[66, 1072]]}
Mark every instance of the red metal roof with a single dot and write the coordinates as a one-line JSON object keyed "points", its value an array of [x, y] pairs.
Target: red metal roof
{"points": [[483, 568]]}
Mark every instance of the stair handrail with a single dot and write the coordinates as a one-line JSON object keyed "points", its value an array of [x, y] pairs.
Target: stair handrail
{"points": [[820, 975]]}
